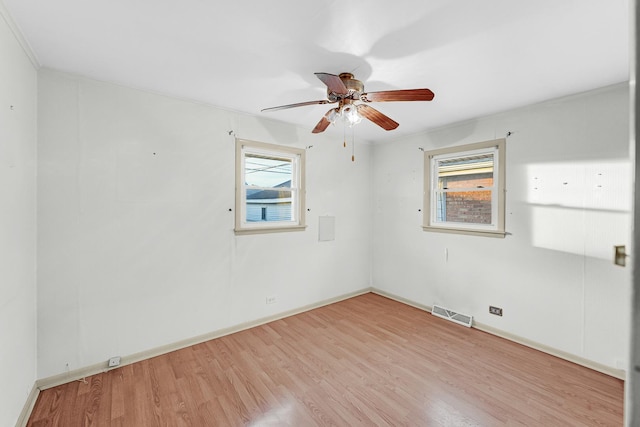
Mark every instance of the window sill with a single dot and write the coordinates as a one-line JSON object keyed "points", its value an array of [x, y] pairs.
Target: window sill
{"points": [[468, 232], [265, 230]]}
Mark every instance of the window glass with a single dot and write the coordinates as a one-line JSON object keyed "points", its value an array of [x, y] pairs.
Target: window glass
{"points": [[266, 172], [464, 189], [268, 193]]}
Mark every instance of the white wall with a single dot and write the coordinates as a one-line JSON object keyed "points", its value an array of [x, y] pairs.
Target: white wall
{"points": [[569, 195], [136, 248], [17, 225], [136, 243]]}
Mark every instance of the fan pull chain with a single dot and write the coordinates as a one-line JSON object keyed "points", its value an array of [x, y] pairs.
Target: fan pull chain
{"points": [[344, 134], [353, 146]]}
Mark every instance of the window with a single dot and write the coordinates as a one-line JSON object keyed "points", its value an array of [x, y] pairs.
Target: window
{"points": [[464, 189], [269, 188]]}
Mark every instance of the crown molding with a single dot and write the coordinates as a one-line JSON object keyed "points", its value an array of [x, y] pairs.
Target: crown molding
{"points": [[13, 27]]}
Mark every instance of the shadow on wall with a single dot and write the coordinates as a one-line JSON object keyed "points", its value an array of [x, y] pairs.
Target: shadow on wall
{"points": [[462, 133], [583, 208]]}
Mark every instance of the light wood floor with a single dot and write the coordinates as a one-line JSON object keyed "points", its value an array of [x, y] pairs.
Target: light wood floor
{"points": [[364, 361]]}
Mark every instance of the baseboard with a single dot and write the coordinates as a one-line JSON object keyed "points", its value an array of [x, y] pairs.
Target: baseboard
{"points": [[23, 419], [401, 299], [79, 374], [616, 373]]}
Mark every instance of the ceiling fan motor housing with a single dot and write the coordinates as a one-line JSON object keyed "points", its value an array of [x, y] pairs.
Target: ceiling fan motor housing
{"points": [[355, 87]]}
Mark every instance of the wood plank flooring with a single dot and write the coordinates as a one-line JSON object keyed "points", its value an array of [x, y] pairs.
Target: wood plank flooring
{"points": [[361, 362]]}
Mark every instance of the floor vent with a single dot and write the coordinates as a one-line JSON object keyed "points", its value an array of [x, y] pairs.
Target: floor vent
{"points": [[462, 319]]}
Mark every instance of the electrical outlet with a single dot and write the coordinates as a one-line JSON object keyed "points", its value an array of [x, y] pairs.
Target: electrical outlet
{"points": [[271, 299], [114, 361], [495, 310]]}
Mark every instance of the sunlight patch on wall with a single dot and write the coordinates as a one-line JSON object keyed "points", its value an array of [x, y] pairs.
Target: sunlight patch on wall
{"points": [[580, 208]]}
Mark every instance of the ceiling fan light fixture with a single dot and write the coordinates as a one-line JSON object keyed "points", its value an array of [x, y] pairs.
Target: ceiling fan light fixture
{"points": [[333, 115], [350, 115]]}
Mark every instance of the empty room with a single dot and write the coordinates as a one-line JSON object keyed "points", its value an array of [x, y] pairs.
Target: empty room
{"points": [[290, 213]]}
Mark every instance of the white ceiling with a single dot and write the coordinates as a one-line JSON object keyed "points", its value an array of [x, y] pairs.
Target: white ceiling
{"points": [[479, 57]]}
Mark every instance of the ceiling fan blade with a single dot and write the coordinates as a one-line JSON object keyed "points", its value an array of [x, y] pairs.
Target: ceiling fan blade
{"points": [[299, 104], [323, 123], [333, 82], [377, 117], [398, 95]]}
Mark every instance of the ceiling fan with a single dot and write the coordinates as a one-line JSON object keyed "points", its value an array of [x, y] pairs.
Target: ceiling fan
{"points": [[345, 90]]}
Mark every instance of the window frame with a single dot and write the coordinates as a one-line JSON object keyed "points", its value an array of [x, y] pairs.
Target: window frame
{"points": [[497, 229], [297, 157]]}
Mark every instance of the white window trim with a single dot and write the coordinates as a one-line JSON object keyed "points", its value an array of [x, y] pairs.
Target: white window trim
{"points": [[495, 230], [298, 182]]}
